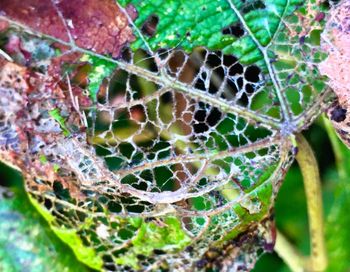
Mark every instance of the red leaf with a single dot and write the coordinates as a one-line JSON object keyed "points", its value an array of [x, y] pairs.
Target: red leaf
{"points": [[99, 26]]}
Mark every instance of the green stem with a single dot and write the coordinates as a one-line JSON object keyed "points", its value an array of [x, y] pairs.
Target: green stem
{"points": [[309, 169], [336, 145], [288, 253]]}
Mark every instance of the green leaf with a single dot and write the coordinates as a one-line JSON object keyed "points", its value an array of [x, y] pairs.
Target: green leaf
{"points": [[70, 237], [337, 231], [26, 240], [190, 24], [164, 236], [100, 69], [56, 115]]}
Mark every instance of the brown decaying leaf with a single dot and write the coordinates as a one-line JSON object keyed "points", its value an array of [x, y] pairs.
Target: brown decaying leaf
{"points": [[25, 127], [99, 26], [241, 253]]}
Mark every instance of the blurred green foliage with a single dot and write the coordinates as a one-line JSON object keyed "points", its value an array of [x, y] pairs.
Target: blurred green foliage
{"points": [[290, 209]]}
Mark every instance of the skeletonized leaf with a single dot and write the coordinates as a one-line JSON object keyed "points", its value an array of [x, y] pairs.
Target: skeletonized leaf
{"points": [[188, 139]]}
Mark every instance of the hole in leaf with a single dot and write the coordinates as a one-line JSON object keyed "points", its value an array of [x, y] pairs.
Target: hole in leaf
{"points": [[232, 86], [138, 114], [200, 128], [214, 59], [244, 100], [126, 55], [117, 88], [200, 84], [252, 73], [218, 74], [229, 60], [159, 252], [166, 98], [48, 204], [254, 5], [150, 26], [249, 88], [176, 62], [240, 83], [235, 69], [61, 192], [200, 115], [163, 53], [338, 114], [235, 30], [214, 117]]}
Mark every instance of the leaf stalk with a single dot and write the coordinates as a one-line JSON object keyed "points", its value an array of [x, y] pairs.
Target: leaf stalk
{"points": [[312, 184]]}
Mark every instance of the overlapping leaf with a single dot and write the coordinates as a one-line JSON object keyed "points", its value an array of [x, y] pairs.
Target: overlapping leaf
{"points": [[26, 241]]}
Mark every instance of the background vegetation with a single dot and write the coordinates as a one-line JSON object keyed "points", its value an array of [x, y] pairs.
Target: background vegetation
{"points": [[290, 209]]}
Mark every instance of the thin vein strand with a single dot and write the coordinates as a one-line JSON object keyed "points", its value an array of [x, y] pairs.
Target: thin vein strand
{"points": [[263, 50]]}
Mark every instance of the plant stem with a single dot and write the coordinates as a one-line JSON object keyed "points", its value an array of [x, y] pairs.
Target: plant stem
{"points": [[288, 253], [309, 169], [337, 146]]}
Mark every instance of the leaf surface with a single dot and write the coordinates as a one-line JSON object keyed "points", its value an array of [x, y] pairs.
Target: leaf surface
{"points": [[27, 241], [92, 27], [187, 142]]}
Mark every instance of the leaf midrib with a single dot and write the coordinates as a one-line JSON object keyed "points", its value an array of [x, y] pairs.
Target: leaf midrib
{"points": [[263, 49]]}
